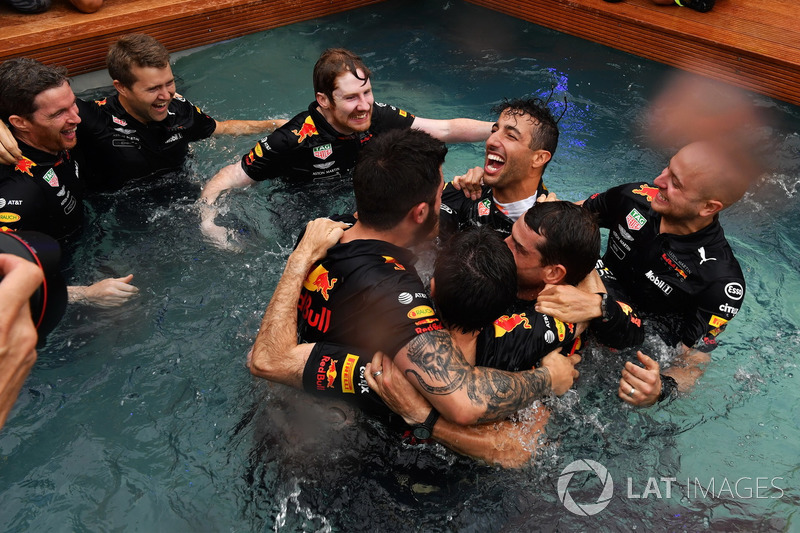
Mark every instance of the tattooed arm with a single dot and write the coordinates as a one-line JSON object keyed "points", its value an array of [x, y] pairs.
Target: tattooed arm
{"points": [[466, 394]]}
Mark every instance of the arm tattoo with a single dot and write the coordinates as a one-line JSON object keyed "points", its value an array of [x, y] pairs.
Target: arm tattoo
{"points": [[500, 393]]}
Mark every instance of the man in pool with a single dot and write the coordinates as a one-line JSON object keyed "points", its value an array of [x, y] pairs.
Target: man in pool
{"points": [[668, 256], [366, 292], [43, 191], [522, 142], [144, 130], [323, 142]]}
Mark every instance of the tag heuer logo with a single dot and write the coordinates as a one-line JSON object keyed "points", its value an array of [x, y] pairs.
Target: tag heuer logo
{"points": [[635, 220], [323, 152]]}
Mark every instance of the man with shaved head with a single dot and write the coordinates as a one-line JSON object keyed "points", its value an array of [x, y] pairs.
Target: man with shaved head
{"points": [[667, 256]]}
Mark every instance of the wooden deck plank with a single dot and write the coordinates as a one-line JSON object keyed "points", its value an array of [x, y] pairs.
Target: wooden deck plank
{"points": [[80, 41], [754, 45]]}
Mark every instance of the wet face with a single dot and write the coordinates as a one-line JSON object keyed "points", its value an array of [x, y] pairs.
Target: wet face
{"points": [[148, 97], [508, 150], [679, 197], [524, 245], [350, 111], [52, 127]]}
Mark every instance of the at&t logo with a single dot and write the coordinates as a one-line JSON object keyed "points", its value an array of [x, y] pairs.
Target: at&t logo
{"points": [[585, 509]]}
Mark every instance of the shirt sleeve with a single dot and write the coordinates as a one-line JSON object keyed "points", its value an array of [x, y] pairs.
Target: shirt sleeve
{"points": [[387, 117], [717, 305]]}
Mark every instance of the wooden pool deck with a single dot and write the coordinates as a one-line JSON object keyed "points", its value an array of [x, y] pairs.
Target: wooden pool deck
{"points": [[755, 45]]}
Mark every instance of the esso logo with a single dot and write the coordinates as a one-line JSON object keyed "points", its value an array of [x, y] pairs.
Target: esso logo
{"points": [[734, 291]]}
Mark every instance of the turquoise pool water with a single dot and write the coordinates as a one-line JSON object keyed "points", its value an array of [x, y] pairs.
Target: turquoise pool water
{"points": [[145, 418]]}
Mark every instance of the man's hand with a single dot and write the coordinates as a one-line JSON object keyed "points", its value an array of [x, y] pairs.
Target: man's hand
{"points": [[640, 386], [470, 183], [395, 390], [321, 234], [111, 292], [549, 197], [9, 149], [218, 236], [568, 303], [562, 370]]}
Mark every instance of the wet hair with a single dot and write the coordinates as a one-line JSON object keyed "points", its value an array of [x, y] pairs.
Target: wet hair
{"points": [[21, 81], [138, 50], [571, 237], [475, 279], [545, 131], [396, 171], [331, 64]]}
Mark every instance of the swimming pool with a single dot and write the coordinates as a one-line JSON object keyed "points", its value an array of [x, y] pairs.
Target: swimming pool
{"points": [[145, 419]]}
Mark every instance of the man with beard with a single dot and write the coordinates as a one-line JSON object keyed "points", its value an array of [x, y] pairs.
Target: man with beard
{"points": [[323, 142]]}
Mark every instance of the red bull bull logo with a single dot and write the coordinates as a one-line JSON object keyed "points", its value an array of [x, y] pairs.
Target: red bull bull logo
{"points": [[393, 261], [507, 324], [319, 280], [307, 130], [331, 373], [25, 165], [646, 190]]}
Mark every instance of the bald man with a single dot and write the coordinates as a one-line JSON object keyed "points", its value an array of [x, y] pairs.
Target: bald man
{"points": [[667, 256]]}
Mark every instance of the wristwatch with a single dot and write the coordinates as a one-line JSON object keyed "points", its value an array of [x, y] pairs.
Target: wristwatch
{"points": [[604, 306], [425, 430]]}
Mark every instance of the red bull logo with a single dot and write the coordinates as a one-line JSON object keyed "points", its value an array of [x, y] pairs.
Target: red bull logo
{"points": [[627, 309], [506, 324], [25, 165], [249, 158], [259, 152], [646, 190], [331, 373], [319, 320], [393, 261], [100, 102], [673, 265], [319, 280], [307, 130]]}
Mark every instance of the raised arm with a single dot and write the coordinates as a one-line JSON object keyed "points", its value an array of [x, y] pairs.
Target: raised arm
{"points": [[276, 356], [505, 443], [230, 177], [247, 127], [454, 130], [465, 394]]}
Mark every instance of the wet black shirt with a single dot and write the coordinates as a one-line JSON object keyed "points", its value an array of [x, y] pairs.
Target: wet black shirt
{"points": [[695, 278], [365, 293], [42, 192], [520, 339], [458, 212], [118, 148], [308, 148]]}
